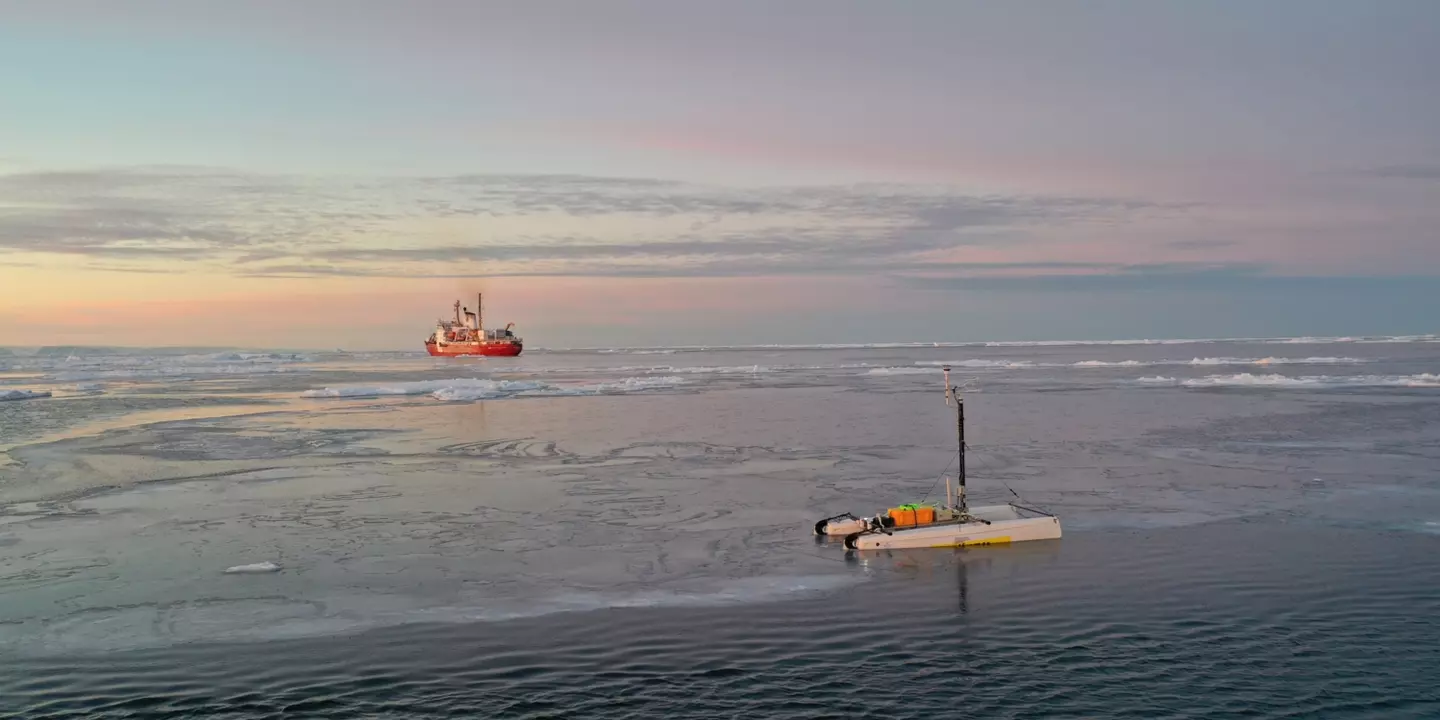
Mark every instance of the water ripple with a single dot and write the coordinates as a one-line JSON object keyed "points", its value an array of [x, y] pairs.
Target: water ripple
{"points": [[1125, 630]]}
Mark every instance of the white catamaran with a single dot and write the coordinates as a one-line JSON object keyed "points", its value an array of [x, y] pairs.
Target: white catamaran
{"points": [[955, 525]]}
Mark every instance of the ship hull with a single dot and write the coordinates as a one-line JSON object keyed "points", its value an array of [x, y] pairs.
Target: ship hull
{"points": [[472, 349]]}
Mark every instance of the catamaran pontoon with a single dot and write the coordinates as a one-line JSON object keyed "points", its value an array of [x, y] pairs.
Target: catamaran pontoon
{"points": [[954, 525]]}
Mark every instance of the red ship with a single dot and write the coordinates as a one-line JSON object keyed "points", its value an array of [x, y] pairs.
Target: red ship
{"points": [[468, 336]]}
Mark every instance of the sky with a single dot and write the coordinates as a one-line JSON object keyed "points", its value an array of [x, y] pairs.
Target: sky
{"points": [[336, 173]]}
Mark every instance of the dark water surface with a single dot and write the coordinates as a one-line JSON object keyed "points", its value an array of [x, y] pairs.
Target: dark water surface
{"points": [[1219, 620], [1251, 530]]}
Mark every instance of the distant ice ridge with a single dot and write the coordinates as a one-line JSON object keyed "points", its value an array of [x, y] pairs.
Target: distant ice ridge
{"points": [[1018, 364], [471, 393], [80, 368], [249, 357], [1005, 343], [169, 372], [1157, 380], [23, 394], [1107, 363], [1067, 343], [701, 370], [470, 389], [253, 568], [1279, 361], [901, 371], [1224, 361], [777, 346], [1306, 381], [689, 370], [974, 363], [1359, 340], [424, 387]]}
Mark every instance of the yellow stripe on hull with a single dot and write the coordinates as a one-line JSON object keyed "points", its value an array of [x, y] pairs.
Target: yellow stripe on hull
{"points": [[968, 543]]}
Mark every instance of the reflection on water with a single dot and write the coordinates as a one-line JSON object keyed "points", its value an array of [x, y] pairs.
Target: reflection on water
{"points": [[933, 566]]}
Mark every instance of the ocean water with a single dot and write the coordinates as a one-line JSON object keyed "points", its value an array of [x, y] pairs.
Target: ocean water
{"points": [[1252, 529]]}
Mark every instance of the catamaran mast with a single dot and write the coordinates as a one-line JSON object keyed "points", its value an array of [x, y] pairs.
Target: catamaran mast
{"points": [[959, 438]]}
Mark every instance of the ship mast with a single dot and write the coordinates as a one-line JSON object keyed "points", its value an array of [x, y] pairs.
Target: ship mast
{"points": [[480, 314], [954, 392]]}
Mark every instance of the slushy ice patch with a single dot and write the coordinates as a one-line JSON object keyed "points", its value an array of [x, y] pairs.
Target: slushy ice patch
{"points": [[23, 394], [1419, 380], [470, 389]]}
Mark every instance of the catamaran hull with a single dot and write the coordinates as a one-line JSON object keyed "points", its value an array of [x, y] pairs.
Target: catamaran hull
{"points": [[847, 524], [834, 528], [947, 535]]}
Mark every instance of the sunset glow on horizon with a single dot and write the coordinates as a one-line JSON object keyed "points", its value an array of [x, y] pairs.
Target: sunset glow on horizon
{"points": [[336, 174]]}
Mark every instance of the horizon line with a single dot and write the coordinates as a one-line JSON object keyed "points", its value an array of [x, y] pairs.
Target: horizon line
{"points": [[1295, 339]]}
